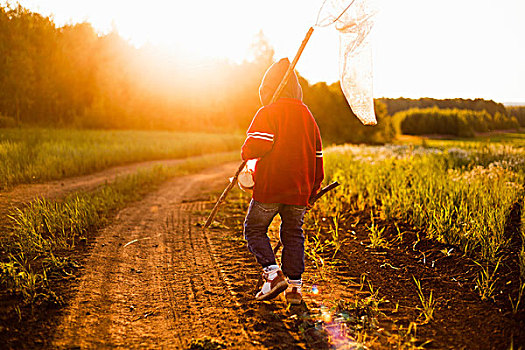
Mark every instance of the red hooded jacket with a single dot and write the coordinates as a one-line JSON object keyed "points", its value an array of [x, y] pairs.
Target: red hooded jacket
{"points": [[286, 139]]}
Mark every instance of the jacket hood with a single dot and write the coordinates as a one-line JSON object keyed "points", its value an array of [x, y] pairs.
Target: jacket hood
{"points": [[272, 78]]}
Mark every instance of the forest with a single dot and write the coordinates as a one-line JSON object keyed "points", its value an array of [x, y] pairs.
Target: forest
{"points": [[72, 76]]}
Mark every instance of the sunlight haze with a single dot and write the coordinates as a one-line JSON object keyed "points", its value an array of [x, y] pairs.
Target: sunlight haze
{"points": [[440, 49]]}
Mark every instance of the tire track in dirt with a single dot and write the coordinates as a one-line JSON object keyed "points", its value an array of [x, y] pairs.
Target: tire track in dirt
{"points": [[151, 280], [209, 293]]}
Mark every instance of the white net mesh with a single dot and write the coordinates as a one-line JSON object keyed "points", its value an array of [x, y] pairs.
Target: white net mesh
{"points": [[354, 20]]}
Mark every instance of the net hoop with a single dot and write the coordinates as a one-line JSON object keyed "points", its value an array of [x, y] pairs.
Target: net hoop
{"points": [[336, 19]]}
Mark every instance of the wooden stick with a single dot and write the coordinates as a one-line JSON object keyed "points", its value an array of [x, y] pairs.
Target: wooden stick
{"points": [[275, 97], [290, 69], [223, 195]]}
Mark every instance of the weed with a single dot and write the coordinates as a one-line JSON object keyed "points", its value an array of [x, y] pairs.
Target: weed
{"points": [[486, 280], [376, 235], [373, 300], [399, 233], [405, 338], [18, 313], [337, 242], [515, 304], [362, 281], [521, 263], [428, 305], [314, 248]]}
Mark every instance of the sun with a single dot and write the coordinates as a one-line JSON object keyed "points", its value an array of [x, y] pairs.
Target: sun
{"points": [[188, 28]]}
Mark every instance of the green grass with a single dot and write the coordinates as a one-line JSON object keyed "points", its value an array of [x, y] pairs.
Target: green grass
{"points": [[35, 154], [428, 304], [45, 232], [457, 196], [461, 193], [522, 252], [521, 257]]}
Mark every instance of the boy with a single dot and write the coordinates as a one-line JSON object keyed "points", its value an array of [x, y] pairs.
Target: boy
{"points": [[285, 138]]}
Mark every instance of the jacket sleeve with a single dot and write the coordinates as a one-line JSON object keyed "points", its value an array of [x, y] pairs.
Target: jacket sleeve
{"points": [[319, 165], [259, 137]]}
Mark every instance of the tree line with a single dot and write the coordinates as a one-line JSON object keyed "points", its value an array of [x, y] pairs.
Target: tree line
{"points": [[72, 76], [395, 105], [519, 113], [457, 122]]}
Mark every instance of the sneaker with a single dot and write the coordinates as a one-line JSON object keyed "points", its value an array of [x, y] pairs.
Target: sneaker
{"points": [[293, 293], [274, 284]]}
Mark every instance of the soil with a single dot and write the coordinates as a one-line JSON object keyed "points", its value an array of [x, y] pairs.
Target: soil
{"points": [[154, 278]]}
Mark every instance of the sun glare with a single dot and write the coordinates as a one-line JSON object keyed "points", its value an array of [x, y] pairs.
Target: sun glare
{"points": [[199, 30], [205, 29]]}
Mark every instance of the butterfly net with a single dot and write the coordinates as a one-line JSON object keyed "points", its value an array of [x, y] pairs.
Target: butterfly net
{"points": [[354, 20]]}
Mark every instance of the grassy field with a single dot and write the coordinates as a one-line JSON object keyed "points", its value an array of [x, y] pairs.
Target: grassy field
{"points": [[459, 192], [516, 140], [467, 195], [34, 155]]}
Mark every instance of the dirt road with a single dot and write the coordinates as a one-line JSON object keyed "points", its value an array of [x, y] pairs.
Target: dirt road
{"points": [[25, 193], [152, 279], [155, 279]]}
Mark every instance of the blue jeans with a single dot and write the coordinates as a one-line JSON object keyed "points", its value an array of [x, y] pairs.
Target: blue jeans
{"points": [[259, 218]]}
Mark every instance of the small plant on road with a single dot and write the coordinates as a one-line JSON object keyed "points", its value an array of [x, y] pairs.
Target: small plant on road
{"points": [[516, 303], [314, 247]]}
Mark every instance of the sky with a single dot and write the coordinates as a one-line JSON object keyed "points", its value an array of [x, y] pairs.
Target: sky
{"points": [[421, 48]]}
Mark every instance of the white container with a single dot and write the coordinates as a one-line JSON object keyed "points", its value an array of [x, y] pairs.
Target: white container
{"points": [[245, 179]]}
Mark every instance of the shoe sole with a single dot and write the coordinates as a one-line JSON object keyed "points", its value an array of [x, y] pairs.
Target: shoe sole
{"points": [[278, 289]]}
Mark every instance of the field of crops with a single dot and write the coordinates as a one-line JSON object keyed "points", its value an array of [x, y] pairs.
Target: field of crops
{"points": [[467, 195], [459, 196], [34, 155]]}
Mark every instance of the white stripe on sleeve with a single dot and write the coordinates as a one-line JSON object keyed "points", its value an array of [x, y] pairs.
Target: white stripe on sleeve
{"points": [[261, 138], [263, 134]]}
